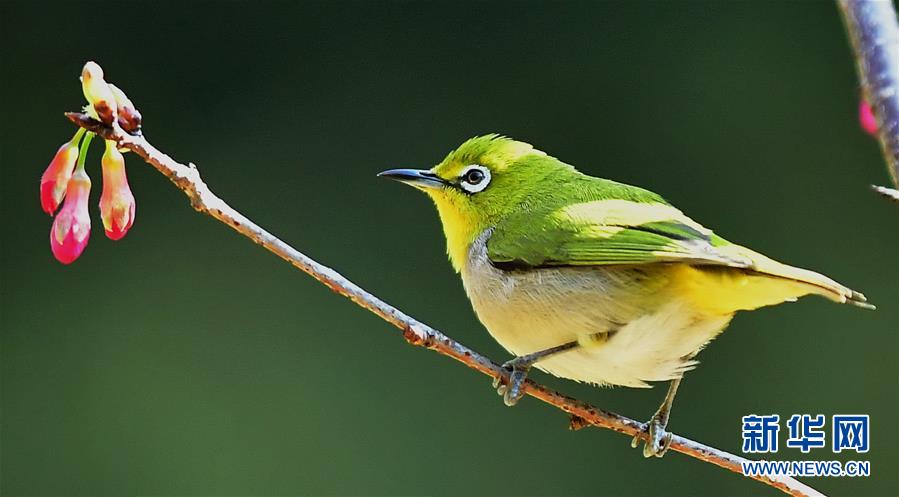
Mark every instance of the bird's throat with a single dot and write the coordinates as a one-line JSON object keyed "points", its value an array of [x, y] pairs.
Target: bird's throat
{"points": [[459, 227]]}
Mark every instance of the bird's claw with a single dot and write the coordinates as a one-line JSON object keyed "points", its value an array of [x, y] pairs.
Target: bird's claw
{"points": [[657, 440], [514, 390]]}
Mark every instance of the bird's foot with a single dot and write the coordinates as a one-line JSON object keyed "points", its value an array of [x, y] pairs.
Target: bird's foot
{"points": [[513, 391], [657, 440], [518, 369]]}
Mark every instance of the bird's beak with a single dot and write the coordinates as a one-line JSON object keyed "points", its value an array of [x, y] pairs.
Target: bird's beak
{"points": [[418, 178]]}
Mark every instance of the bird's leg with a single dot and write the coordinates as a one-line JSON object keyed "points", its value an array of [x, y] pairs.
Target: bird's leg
{"points": [[657, 440], [519, 368]]}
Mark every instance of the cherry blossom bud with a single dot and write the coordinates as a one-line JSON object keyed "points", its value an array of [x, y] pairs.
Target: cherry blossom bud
{"points": [[97, 92], [72, 226], [129, 117], [56, 176], [116, 202], [866, 118]]}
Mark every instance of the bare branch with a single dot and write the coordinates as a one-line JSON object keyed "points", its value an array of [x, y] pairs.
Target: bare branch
{"points": [[889, 193], [187, 178], [874, 36]]}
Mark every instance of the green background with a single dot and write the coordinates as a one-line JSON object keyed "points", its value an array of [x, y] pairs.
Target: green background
{"points": [[186, 360]]}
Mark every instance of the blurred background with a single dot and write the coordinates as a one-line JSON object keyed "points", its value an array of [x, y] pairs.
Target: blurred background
{"points": [[186, 360]]}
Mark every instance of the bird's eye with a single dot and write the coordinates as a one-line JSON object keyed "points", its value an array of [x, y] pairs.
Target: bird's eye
{"points": [[474, 178]]}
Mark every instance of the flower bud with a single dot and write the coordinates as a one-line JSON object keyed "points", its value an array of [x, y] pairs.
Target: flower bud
{"points": [[866, 118], [56, 176], [116, 201], [72, 226], [98, 94], [129, 117]]}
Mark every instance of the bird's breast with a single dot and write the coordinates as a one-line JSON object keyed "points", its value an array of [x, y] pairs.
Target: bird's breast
{"points": [[532, 309], [652, 331]]}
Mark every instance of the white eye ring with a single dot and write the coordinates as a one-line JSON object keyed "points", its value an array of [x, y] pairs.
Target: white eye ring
{"points": [[474, 178]]}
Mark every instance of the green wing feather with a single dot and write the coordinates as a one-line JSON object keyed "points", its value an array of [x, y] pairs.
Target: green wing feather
{"points": [[607, 232], [631, 232]]}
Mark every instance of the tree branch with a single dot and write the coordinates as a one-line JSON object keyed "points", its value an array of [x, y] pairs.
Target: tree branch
{"points": [[187, 178], [874, 36]]}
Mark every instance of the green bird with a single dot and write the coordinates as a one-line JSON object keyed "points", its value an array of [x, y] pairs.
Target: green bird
{"points": [[593, 280]]}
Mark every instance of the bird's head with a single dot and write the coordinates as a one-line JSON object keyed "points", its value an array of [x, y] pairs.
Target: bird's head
{"points": [[482, 181]]}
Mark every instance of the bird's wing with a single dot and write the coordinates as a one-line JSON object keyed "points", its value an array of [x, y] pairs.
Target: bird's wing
{"points": [[607, 232], [630, 232]]}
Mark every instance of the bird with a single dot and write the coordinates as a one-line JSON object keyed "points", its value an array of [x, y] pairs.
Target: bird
{"points": [[594, 280]]}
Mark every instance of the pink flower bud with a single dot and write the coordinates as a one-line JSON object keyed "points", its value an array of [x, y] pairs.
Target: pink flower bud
{"points": [[129, 117], [98, 94], [56, 176], [866, 118], [72, 226], [116, 202]]}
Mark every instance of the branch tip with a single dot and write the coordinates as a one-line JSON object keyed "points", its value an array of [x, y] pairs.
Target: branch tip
{"points": [[889, 193]]}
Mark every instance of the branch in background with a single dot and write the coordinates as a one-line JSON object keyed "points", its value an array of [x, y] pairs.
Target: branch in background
{"points": [[887, 192], [874, 36], [187, 178]]}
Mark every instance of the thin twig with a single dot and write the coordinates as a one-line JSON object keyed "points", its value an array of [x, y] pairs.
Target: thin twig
{"points": [[889, 193], [187, 178], [874, 36]]}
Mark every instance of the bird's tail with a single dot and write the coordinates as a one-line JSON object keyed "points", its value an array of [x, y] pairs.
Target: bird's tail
{"points": [[817, 283], [810, 281], [724, 290]]}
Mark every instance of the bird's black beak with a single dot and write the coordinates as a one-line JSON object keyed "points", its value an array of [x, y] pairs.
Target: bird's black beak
{"points": [[418, 178]]}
